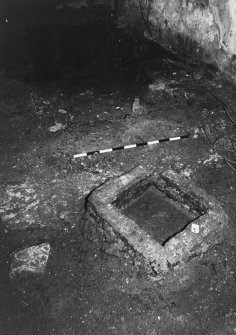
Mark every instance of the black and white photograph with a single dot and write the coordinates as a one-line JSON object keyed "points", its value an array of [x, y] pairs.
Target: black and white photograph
{"points": [[117, 167]]}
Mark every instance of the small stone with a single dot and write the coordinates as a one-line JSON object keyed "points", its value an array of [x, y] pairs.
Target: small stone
{"points": [[62, 215], [56, 127], [62, 111], [157, 86], [136, 107], [184, 279], [32, 260], [112, 250]]}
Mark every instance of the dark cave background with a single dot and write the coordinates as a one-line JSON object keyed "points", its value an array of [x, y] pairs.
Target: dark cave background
{"points": [[47, 40]]}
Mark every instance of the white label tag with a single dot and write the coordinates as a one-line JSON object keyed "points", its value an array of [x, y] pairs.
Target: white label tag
{"points": [[195, 228]]}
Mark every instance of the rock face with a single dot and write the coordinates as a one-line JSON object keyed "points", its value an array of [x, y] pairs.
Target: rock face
{"points": [[206, 29], [32, 260]]}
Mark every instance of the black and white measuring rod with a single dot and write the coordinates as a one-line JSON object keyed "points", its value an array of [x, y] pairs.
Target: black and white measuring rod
{"points": [[131, 146]]}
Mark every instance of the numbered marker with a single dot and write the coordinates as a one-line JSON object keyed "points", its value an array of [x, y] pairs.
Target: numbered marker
{"points": [[195, 228]]}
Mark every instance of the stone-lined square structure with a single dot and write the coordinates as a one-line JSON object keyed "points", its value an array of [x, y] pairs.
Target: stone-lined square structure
{"points": [[206, 225]]}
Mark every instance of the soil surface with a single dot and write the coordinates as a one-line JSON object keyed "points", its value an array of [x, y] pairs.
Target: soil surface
{"points": [[43, 196]]}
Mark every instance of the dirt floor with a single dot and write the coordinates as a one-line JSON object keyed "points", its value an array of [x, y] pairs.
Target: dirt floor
{"points": [[43, 196]]}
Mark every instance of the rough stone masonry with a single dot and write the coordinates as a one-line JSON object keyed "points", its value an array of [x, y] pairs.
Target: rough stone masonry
{"points": [[204, 29], [105, 210]]}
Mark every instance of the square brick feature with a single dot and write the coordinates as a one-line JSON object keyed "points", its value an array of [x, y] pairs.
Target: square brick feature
{"points": [[162, 218]]}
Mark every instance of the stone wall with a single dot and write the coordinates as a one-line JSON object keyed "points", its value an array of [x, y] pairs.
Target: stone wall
{"points": [[88, 3], [202, 29]]}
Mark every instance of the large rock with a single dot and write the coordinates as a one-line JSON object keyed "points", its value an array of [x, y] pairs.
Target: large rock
{"points": [[30, 261]]}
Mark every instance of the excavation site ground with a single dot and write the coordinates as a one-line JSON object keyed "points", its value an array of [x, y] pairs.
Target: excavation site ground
{"points": [[89, 285]]}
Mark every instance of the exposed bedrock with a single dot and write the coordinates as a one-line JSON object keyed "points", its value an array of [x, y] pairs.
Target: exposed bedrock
{"points": [[205, 30]]}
